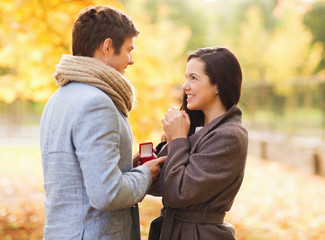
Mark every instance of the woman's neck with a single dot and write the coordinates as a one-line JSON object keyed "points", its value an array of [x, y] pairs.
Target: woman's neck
{"points": [[210, 115]]}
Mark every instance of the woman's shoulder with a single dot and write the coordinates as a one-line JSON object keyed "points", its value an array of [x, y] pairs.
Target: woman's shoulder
{"points": [[232, 121], [230, 129], [229, 123]]}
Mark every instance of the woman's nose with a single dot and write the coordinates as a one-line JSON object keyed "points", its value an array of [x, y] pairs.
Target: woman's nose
{"points": [[185, 85]]}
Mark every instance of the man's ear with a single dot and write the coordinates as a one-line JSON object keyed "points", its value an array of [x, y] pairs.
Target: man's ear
{"points": [[107, 47]]}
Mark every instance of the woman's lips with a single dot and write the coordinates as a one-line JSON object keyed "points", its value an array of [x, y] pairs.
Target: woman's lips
{"points": [[190, 97]]}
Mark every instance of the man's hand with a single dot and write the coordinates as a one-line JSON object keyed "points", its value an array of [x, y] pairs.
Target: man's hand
{"points": [[154, 166], [136, 160]]}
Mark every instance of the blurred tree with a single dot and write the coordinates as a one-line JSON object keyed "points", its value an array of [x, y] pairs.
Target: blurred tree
{"points": [[229, 16], [315, 20], [251, 45], [35, 34], [276, 56], [299, 7], [272, 45], [184, 13], [191, 14], [157, 73], [291, 53]]}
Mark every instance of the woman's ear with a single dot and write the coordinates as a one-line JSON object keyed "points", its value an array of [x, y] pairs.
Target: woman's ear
{"points": [[216, 88]]}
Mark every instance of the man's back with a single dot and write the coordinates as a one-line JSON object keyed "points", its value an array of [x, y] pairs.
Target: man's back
{"points": [[86, 146]]}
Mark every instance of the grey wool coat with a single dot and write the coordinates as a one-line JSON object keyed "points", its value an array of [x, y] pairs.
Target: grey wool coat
{"points": [[200, 179]]}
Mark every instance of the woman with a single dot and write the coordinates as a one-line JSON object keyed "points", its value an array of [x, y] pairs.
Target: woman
{"points": [[206, 151]]}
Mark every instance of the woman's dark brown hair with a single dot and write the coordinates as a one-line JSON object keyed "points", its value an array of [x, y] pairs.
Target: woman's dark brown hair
{"points": [[97, 23], [223, 70]]}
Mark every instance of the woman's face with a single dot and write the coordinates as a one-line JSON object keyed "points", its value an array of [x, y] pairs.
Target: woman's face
{"points": [[201, 94]]}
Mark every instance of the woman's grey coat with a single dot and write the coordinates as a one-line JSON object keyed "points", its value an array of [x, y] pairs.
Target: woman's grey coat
{"points": [[90, 185], [200, 179]]}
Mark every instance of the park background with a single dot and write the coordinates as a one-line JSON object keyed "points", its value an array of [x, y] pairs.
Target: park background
{"points": [[280, 45]]}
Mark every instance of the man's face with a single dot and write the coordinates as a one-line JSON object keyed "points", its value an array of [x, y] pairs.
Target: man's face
{"points": [[124, 58]]}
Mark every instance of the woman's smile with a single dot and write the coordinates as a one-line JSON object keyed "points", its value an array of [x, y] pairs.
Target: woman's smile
{"points": [[190, 97]]}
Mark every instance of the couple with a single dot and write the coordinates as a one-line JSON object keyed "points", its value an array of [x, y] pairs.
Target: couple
{"points": [[92, 181]]}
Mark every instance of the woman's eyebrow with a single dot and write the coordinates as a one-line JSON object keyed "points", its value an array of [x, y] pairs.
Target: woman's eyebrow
{"points": [[191, 74]]}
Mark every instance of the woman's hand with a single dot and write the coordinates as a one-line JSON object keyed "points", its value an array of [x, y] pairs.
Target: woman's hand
{"points": [[176, 124]]}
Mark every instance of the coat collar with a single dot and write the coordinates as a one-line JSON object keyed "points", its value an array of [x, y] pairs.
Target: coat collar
{"points": [[197, 137]]}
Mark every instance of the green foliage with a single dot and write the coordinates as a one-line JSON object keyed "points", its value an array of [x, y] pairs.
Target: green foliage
{"points": [[231, 14], [291, 53], [315, 20], [253, 56], [276, 56], [183, 13]]}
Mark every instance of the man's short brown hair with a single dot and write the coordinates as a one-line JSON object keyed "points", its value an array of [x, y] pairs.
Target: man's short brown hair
{"points": [[97, 23]]}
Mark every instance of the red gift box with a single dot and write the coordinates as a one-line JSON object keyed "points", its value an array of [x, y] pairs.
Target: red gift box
{"points": [[145, 150]]}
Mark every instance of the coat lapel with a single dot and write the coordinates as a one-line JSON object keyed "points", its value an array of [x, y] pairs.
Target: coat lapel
{"points": [[196, 138]]}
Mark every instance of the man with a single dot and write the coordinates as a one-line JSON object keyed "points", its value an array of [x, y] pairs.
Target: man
{"points": [[90, 180]]}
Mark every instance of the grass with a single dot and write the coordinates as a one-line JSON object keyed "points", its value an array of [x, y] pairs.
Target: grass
{"points": [[275, 202]]}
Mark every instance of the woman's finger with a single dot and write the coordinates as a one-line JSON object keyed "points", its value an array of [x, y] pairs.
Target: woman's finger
{"points": [[164, 121]]}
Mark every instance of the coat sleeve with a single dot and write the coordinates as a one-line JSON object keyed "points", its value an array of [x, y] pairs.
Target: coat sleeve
{"points": [[187, 179], [96, 138], [161, 151]]}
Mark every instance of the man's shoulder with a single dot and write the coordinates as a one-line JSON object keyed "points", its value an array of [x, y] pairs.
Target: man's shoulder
{"points": [[82, 89], [82, 93], [79, 97]]}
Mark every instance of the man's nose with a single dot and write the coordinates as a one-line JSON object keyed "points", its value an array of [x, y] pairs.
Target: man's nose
{"points": [[131, 61]]}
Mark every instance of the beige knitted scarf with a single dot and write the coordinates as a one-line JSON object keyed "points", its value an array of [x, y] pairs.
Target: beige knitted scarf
{"points": [[96, 73]]}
